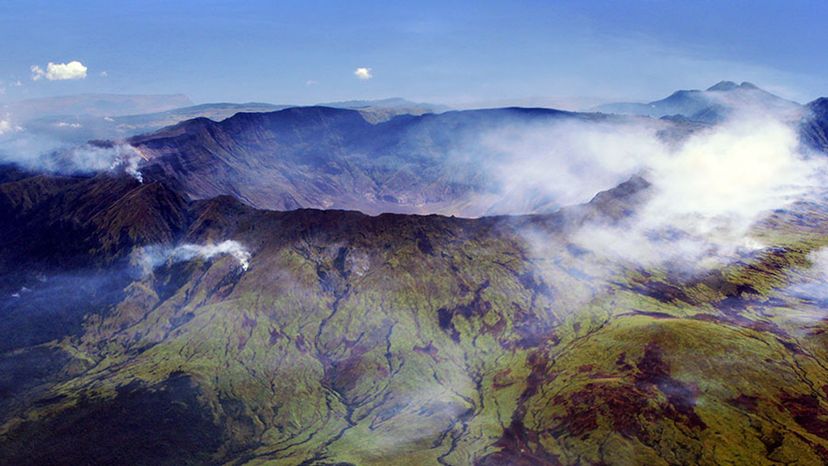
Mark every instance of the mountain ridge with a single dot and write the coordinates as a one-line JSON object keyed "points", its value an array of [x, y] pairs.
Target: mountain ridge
{"points": [[321, 349], [399, 165], [710, 106], [148, 324], [815, 124]]}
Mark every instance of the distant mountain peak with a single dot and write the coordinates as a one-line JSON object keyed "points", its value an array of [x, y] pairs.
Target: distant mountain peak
{"points": [[723, 86], [356, 104], [710, 106], [730, 86]]}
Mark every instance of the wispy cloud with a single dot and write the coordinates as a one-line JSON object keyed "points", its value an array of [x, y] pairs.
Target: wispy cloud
{"points": [[7, 126], [708, 189], [707, 194], [60, 71]]}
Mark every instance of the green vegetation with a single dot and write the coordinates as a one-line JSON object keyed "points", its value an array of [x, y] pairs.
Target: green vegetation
{"points": [[431, 340]]}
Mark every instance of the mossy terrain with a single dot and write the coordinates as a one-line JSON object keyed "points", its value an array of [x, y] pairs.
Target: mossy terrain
{"points": [[408, 340]]}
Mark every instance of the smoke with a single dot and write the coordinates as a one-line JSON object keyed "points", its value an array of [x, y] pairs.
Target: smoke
{"points": [[7, 126], [150, 257], [708, 187], [94, 158], [129, 158], [710, 191], [64, 124], [812, 284], [40, 307], [807, 293], [740, 169], [544, 167], [45, 154], [754, 101]]}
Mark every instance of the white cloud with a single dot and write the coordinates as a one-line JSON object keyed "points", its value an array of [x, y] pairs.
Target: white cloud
{"points": [[744, 167], [708, 189], [363, 73], [5, 126], [311, 82], [60, 71], [567, 162], [37, 73], [104, 74], [709, 192]]}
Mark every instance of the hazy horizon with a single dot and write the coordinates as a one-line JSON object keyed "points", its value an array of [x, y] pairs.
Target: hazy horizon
{"points": [[570, 55], [572, 103]]}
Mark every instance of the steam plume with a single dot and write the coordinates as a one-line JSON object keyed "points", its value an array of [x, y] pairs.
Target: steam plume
{"points": [[150, 257], [708, 188], [43, 155]]}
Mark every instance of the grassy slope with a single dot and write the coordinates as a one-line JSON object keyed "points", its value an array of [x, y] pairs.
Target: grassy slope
{"points": [[426, 340]]}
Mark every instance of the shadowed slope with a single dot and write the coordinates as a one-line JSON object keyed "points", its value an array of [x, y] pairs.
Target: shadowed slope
{"points": [[333, 158]]}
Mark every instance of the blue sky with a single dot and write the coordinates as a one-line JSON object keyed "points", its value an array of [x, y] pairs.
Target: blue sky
{"points": [[568, 53]]}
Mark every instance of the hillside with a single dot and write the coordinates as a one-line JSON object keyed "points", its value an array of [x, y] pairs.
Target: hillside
{"points": [[319, 157], [815, 125], [402, 339]]}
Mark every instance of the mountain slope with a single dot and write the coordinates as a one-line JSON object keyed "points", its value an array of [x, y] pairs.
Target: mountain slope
{"points": [[322, 157], [815, 125], [410, 340], [377, 111], [78, 119]]}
